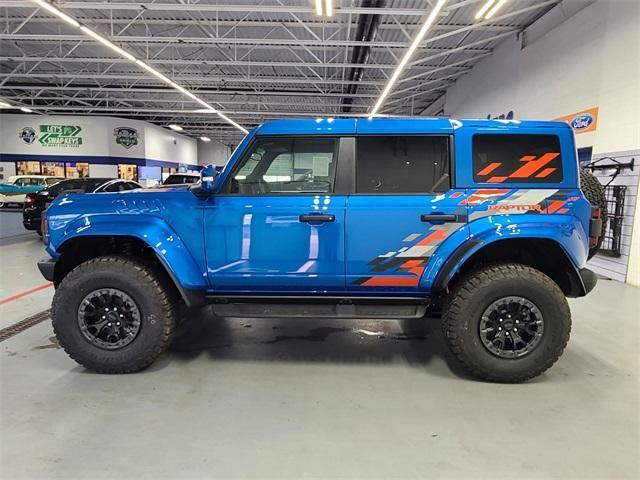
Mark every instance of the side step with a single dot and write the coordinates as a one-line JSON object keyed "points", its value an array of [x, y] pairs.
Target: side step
{"points": [[318, 307]]}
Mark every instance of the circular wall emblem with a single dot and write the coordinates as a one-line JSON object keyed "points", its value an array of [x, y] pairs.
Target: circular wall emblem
{"points": [[28, 135]]}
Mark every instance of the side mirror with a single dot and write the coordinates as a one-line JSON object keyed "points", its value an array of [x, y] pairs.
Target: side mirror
{"points": [[209, 178]]}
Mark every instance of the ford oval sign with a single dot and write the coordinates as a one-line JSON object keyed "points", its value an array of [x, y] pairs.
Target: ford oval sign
{"points": [[581, 122]]}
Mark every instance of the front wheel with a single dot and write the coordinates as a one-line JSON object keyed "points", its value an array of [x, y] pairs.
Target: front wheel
{"points": [[113, 314], [507, 322]]}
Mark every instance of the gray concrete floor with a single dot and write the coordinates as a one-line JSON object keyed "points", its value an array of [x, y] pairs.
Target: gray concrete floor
{"points": [[245, 398]]}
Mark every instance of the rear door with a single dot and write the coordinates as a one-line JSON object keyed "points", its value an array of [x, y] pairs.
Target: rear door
{"points": [[403, 209]]}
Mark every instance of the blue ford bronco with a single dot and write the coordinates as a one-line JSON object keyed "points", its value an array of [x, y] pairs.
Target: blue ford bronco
{"points": [[483, 222]]}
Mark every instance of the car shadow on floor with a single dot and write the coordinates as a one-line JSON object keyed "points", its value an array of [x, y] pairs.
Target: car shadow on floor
{"points": [[416, 342]]}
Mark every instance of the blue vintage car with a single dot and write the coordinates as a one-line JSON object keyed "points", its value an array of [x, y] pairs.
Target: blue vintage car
{"points": [[484, 221], [17, 186]]}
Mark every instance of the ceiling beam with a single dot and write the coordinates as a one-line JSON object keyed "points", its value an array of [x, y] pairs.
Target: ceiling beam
{"points": [[180, 61], [201, 7], [181, 41]]}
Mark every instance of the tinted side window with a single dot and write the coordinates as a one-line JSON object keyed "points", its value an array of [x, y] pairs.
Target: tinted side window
{"points": [[402, 164], [517, 158], [287, 165], [116, 187], [60, 186]]}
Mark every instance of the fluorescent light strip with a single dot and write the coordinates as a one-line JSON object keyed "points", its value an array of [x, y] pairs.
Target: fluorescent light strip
{"points": [[414, 45], [140, 63], [328, 7], [57, 13], [153, 71], [484, 9], [107, 43], [493, 11], [319, 7]]}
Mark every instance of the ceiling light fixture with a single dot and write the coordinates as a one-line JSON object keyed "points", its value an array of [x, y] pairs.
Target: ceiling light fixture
{"points": [[484, 9], [208, 108], [176, 128], [205, 139], [403, 63], [328, 6], [324, 7], [493, 11], [489, 9], [107, 43], [58, 13], [4, 105], [26, 110]]}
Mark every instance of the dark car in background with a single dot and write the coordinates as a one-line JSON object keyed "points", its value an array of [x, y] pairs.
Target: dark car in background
{"points": [[182, 178], [36, 203]]}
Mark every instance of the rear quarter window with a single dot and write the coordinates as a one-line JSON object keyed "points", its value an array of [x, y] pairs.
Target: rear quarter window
{"points": [[516, 158]]}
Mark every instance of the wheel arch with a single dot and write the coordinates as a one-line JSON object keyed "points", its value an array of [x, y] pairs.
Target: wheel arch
{"points": [[544, 254], [80, 248]]}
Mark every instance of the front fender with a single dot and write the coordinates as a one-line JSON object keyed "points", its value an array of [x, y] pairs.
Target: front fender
{"points": [[154, 231], [566, 230]]}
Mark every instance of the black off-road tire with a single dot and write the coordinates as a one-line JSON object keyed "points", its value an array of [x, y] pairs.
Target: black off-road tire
{"points": [[156, 301], [476, 291], [594, 191]]}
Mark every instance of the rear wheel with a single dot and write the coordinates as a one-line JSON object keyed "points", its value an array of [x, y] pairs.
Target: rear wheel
{"points": [[507, 322], [113, 314], [594, 191]]}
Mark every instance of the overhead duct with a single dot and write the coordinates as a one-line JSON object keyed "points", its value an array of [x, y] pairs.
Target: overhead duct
{"points": [[366, 32]]}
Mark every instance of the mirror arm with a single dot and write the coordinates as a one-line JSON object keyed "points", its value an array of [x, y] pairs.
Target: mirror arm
{"points": [[198, 191]]}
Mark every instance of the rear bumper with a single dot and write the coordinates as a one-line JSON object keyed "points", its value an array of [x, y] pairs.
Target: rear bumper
{"points": [[588, 278], [32, 223], [47, 268]]}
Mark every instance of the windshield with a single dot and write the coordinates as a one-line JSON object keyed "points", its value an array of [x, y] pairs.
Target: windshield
{"points": [[85, 185]]}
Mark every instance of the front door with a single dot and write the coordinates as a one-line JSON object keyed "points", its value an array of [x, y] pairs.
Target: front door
{"points": [[278, 224], [403, 209]]}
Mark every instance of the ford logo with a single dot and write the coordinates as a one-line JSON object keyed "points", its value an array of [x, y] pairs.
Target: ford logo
{"points": [[580, 122]]}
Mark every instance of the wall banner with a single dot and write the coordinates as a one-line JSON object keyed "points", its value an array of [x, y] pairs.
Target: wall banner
{"points": [[60, 136], [583, 121]]}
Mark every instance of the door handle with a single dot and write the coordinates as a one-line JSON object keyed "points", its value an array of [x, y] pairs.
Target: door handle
{"points": [[311, 218], [438, 217]]}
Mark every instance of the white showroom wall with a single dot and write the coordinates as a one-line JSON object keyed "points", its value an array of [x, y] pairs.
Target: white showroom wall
{"points": [[106, 171], [591, 59], [213, 152], [96, 137], [166, 145]]}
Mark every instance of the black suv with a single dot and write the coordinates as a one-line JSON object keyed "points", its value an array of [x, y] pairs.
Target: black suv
{"points": [[35, 203]]}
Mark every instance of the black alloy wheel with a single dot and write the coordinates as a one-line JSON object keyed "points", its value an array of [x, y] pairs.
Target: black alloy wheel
{"points": [[109, 318], [511, 327]]}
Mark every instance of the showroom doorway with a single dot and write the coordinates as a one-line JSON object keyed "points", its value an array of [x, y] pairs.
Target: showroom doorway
{"points": [[128, 171]]}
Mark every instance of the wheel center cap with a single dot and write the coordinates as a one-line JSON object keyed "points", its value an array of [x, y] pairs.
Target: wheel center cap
{"points": [[112, 317], [508, 324]]}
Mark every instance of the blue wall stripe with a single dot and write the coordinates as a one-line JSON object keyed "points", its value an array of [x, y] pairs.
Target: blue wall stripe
{"points": [[94, 159]]}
